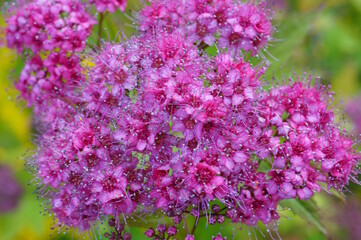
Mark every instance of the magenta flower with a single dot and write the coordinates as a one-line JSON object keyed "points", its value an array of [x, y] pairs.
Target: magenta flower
{"points": [[204, 28], [83, 137], [204, 180]]}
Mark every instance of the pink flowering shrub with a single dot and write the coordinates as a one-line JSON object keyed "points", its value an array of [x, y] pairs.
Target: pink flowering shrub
{"points": [[158, 126]]}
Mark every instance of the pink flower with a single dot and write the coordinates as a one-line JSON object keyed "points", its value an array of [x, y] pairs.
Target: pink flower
{"points": [[204, 180], [204, 28], [110, 189], [83, 137]]}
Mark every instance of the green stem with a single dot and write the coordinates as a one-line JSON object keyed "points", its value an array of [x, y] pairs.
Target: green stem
{"points": [[186, 225], [194, 227]]}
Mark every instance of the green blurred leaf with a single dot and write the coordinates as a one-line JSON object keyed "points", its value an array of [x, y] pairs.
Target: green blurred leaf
{"points": [[307, 210], [356, 4], [292, 34]]}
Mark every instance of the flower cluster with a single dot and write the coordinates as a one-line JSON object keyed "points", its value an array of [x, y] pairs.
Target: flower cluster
{"points": [[227, 24], [312, 149], [157, 125], [54, 31]]}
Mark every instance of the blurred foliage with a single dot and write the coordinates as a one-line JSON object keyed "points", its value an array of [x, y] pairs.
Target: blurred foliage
{"points": [[313, 36]]}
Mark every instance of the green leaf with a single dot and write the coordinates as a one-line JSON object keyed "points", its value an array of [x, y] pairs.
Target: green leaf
{"points": [[211, 51], [143, 159], [175, 149], [285, 115], [306, 209], [133, 95], [339, 195], [356, 4], [265, 165], [292, 34]]}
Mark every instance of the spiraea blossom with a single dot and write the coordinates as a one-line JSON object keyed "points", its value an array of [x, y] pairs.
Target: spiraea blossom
{"points": [[230, 25], [53, 32], [155, 126]]}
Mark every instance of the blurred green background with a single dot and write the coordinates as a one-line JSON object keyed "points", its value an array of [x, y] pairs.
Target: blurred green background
{"points": [[320, 37]]}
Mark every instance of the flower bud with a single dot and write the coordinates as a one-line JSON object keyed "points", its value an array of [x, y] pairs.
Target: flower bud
{"points": [[127, 236], [150, 232], [111, 222], [161, 228], [120, 228], [177, 219], [219, 237], [212, 220], [172, 230], [216, 208], [220, 219]]}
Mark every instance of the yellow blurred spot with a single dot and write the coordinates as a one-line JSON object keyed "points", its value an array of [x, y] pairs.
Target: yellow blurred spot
{"points": [[28, 233], [87, 64], [11, 115]]}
